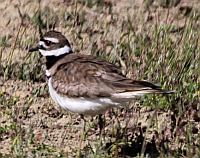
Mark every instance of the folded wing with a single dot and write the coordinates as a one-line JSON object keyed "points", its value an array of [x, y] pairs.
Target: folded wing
{"points": [[92, 77]]}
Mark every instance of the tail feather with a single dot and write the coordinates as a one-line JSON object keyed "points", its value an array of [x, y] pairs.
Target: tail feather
{"points": [[134, 94]]}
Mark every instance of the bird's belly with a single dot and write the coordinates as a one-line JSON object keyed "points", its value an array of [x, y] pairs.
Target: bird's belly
{"points": [[85, 106]]}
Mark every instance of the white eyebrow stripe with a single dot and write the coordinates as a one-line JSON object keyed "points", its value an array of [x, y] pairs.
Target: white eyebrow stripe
{"points": [[54, 40]]}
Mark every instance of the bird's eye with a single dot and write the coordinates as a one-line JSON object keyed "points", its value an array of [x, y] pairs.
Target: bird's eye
{"points": [[48, 43]]}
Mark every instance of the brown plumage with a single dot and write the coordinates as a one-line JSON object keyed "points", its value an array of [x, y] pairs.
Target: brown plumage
{"points": [[76, 76], [86, 84]]}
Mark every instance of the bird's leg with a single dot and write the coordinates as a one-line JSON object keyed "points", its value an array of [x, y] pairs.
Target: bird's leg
{"points": [[82, 135], [101, 127]]}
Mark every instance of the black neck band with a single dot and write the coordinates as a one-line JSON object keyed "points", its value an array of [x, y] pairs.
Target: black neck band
{"points": [[51, 60]]}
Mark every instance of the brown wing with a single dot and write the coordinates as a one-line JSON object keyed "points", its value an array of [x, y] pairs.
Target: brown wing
{"points": [[89, 76]]}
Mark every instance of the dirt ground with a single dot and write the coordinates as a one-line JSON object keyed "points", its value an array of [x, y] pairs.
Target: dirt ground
{"points": [[30, 105]]}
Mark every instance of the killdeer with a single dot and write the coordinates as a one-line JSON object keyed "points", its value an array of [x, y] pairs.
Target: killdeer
{"points": [[86, 84]]}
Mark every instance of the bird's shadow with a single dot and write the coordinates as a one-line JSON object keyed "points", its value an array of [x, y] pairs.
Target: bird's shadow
{"points": [[134, 147]]}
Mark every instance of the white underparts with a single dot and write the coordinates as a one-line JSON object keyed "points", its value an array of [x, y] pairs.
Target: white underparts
{"points": [[89, 106], [85, 106], [56, 52]]}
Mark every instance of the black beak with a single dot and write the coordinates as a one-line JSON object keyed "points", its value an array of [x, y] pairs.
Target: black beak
{"points": [[35, 49]]}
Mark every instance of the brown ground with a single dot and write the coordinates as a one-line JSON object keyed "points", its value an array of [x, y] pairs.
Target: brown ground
{"points": [[33, 108]]}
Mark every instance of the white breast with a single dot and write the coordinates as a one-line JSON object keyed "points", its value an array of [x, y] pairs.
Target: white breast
{"points": [[85, 106]]}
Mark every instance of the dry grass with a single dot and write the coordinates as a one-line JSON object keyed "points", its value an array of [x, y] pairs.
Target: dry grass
{"points": [[156, 42]]}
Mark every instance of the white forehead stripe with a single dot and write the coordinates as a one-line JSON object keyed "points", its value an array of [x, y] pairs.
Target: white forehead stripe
{"points": [[41, 43], [54, 40], [56, 52]]}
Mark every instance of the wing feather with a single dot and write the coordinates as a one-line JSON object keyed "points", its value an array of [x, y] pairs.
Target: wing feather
{"points": [[91, 77]]}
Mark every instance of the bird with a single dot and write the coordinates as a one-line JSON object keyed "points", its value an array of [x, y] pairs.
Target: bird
{"points": [[86, 84]]}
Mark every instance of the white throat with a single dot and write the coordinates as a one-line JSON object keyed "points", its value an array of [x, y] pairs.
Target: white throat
{"points": [[56, 52]]}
